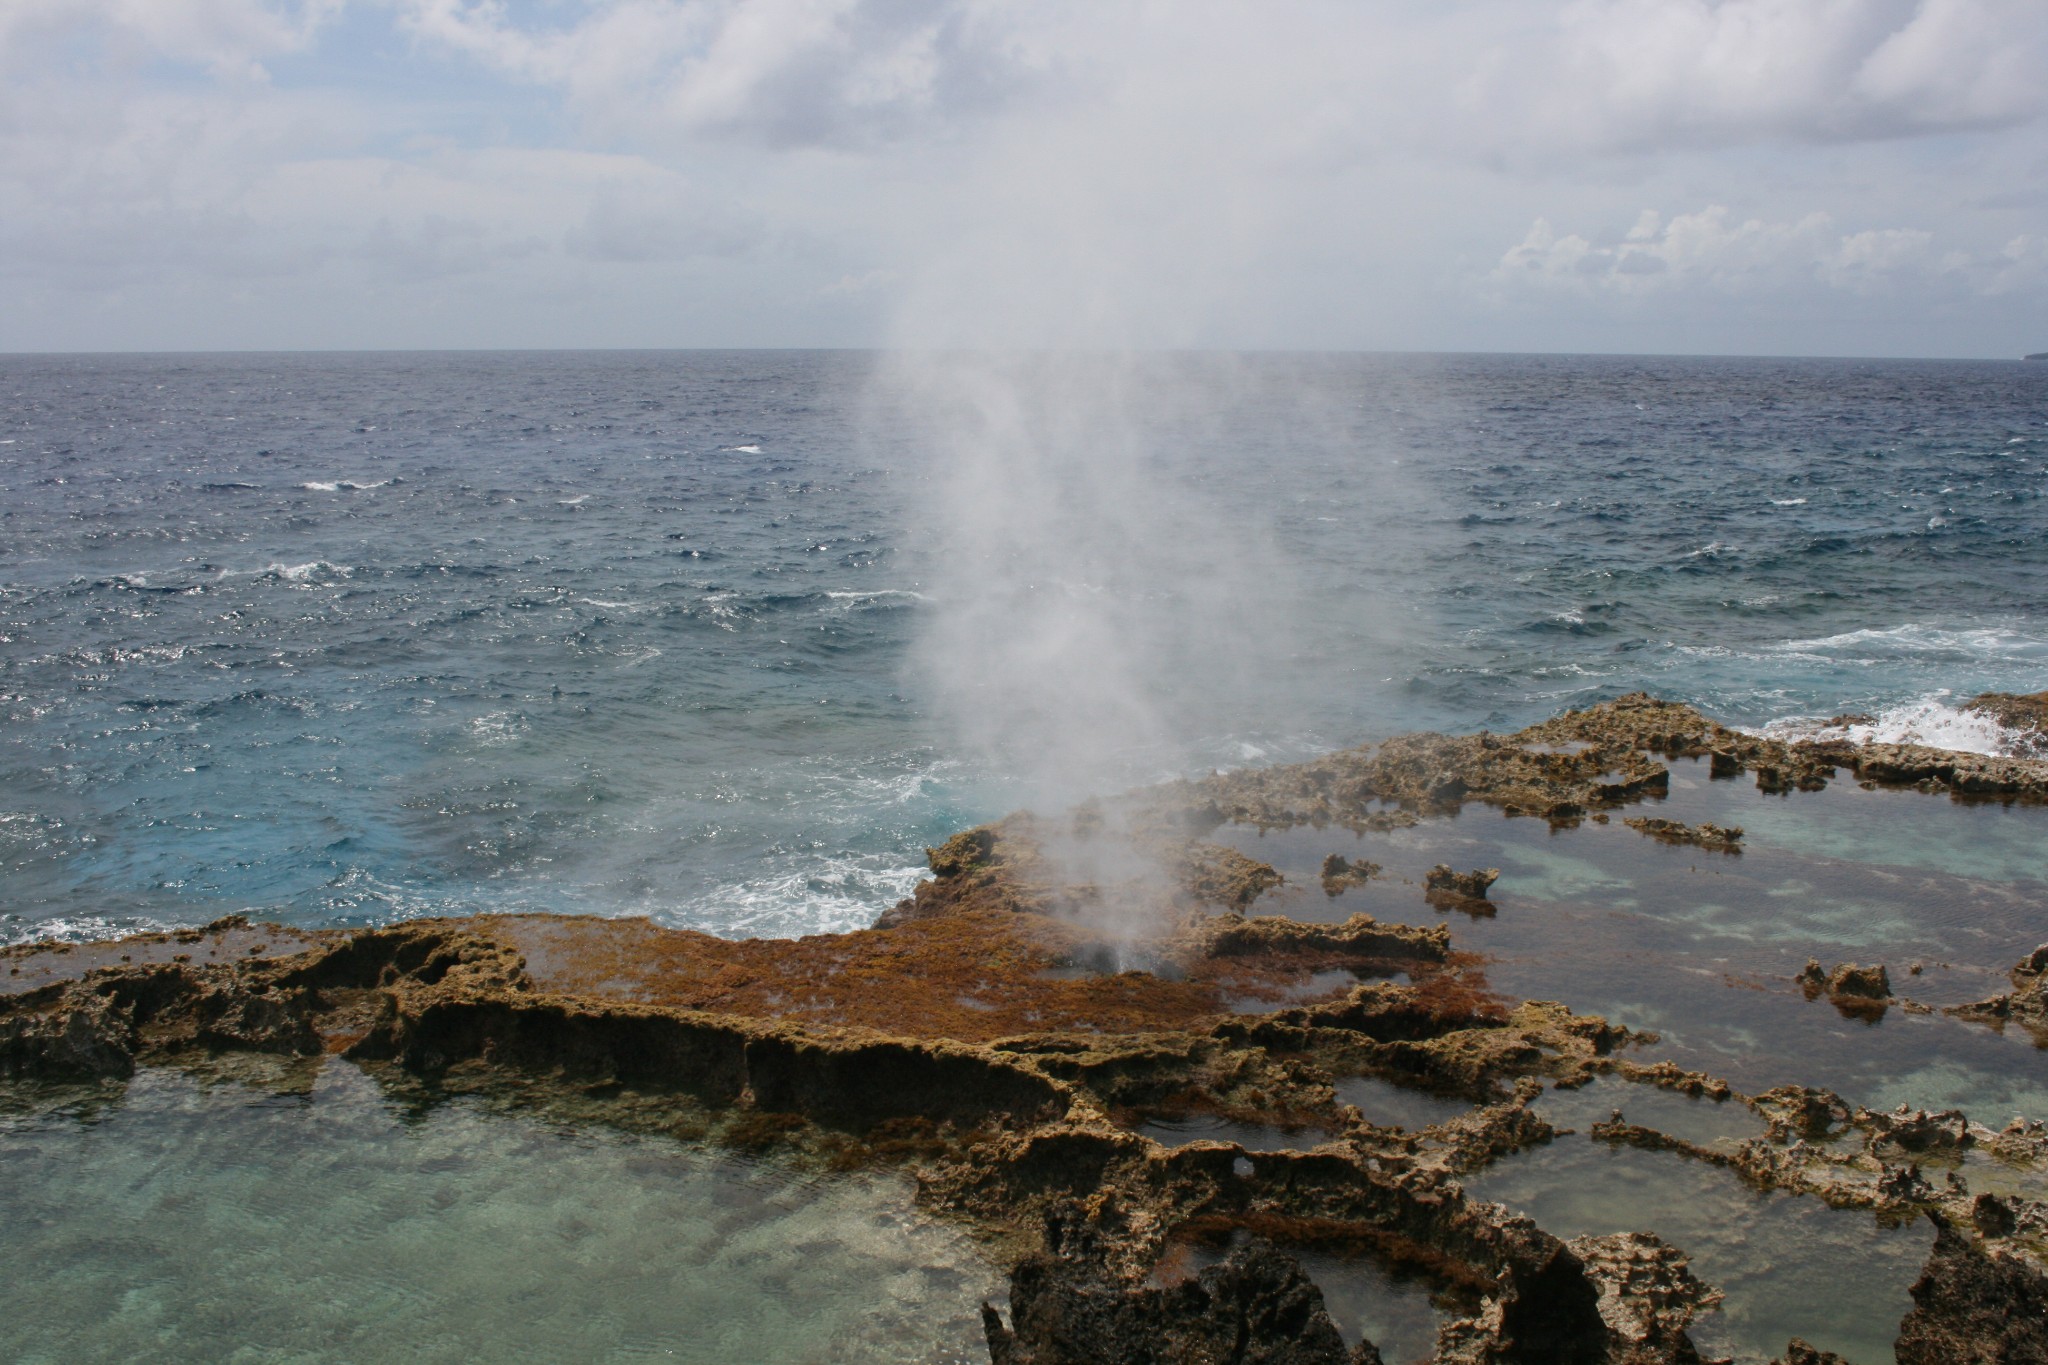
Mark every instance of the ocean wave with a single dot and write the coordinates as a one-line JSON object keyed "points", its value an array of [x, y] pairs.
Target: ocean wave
{"points": [[303, 573], [343, 485], [827, 896], [1921, 642], [78, 928], [1932, 720]]}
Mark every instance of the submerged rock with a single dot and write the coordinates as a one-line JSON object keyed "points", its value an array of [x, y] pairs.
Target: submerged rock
{"points": [[2026, 1003], [1340, 874], [1720, 838]]}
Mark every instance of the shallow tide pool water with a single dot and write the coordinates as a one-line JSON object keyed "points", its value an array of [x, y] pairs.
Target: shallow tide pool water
{"points": [[1701, 947], [191, 1221], [1789, 1264]]}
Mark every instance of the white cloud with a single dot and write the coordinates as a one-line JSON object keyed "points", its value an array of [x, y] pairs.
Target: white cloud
{"points": [[784, 72], [1639, 75], [1713, 250], [228, 38], [1209, 172]]}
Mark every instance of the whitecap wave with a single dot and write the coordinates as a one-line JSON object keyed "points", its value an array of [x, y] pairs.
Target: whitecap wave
{"points": [[339, 485], [301, 573], [1920, 642], [828, 896], [854, 601], [1932, 720], [16, 929]]}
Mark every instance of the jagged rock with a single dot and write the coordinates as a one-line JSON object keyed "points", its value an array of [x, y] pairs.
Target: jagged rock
{"points": [[1917, 1130], [1720, 838], [1340, 874], [1472, 885], [1857, 991], [2023, 1142], [1806, 1112], [1255, 1308], [1903, 1185], [86, 1038], [1974, 1305], [1648, 1296], [1861, 983], [1624, 1299]]}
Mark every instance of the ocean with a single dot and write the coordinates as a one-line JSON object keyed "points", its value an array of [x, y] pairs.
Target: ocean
{"points": [[343, 639]]}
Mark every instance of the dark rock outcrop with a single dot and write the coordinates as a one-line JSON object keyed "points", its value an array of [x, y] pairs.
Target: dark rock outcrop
{"points": [[1254, 1308], [1975, 1304]]}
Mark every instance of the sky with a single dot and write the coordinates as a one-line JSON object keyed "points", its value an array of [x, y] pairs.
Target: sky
{"points": [[1784, 177]]}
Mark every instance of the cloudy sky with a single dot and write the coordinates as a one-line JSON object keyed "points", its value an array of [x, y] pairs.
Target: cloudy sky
{"points": [[1748, 176]]}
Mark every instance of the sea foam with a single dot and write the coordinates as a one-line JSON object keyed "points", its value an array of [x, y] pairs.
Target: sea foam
{"points": [[1934, 720]]}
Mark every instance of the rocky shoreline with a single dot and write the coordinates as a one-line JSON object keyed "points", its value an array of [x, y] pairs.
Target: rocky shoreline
{"points": [[1007, 1031]]}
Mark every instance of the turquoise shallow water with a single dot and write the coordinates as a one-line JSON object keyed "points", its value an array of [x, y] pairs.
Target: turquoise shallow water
{"points": [[191, 1222]]}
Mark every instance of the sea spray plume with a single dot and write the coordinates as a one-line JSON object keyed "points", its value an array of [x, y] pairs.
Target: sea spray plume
{"points": [[1095, 618]]}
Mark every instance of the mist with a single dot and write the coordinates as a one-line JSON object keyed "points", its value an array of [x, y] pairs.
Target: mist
{"points": [[1108, 601]]}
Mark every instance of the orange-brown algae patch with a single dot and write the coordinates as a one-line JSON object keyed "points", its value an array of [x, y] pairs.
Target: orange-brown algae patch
{"points": [[974, 976], [29, 966]]}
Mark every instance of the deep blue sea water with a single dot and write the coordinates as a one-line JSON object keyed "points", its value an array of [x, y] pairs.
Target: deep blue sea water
{"points": [[339, 639]]}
